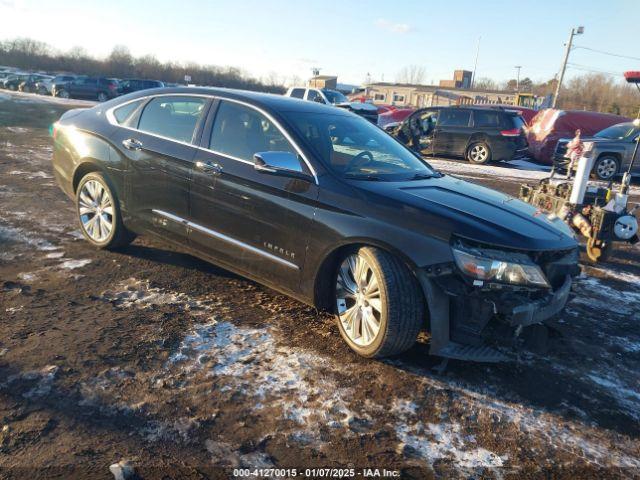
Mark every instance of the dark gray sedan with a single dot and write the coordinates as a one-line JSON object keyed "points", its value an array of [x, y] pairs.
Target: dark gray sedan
{"points": [[613, 150]]}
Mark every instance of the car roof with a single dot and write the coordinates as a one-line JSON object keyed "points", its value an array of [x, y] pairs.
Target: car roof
{"points": [[268, 101]]}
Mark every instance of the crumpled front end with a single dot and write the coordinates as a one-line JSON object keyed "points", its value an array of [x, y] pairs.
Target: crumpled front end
{"points": [[472, 312]]}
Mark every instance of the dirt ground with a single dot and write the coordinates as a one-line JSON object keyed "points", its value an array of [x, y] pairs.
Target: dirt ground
{"points": [[153, 356]]}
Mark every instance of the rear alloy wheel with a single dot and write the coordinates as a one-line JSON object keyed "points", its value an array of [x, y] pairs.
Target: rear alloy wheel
{"points": [[62, 93], [606, 167], [479, 153], [99, 213], [102, 97], [378, 303]]}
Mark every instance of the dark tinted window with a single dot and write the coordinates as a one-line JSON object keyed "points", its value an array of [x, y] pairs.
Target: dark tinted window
{"points": [[453, 117], [86, 81], [297, 93], [486, 118], [172, 117], [123, 113], [517, 121], [241, 131], [312, 95]]}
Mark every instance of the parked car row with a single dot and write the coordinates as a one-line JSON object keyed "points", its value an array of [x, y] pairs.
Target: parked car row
{"points": [[68, 85]]}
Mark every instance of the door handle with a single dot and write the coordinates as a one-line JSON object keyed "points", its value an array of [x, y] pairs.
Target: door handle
{"points": [[132, 144], [208, 167]]}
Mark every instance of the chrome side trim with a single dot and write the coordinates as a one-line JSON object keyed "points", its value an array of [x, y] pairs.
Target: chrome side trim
{"points": [[112, 120], [225, 238]]}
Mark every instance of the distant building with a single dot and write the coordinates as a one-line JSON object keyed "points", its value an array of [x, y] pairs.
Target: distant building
{"points": [[409, 95], [323, 81], [461, 79]]}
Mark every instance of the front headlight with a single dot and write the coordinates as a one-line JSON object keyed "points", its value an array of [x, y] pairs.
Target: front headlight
{"points": [[519, 270]]}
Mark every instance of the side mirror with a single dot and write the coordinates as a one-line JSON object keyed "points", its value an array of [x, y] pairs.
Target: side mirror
{"points": [[283, 164]]}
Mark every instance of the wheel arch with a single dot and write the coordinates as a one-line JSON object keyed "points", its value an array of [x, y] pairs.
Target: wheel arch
{"points": [[85, 167], [476, 137], [323, 277]]}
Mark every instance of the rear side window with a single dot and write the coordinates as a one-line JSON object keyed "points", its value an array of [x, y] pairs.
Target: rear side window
{"points": [[240, 132], [454, 118], [297, 93], [482, 118], [121, 114], [172, 117]]}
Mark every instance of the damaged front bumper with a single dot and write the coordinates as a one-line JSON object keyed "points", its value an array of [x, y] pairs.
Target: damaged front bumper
{"points": [[468, 322]]}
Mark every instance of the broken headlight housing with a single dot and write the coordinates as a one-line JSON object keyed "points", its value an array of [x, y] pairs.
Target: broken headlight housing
{"points": [[495, 266]]}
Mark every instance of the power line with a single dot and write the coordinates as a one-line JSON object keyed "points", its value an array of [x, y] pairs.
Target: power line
{"points": [[586, 68], [607, 53]]}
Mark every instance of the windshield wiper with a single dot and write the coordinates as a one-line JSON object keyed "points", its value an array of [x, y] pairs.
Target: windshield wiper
{"points": [[355, 176], [424, 176]]}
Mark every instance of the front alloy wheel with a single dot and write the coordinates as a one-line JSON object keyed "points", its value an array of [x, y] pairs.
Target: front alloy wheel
{"points": [[605, 168], [358, 300], [379, 304]]}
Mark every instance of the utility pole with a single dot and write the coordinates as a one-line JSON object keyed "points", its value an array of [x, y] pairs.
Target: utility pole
{"points": [[574, 32], [518, 67], [475, 64]]}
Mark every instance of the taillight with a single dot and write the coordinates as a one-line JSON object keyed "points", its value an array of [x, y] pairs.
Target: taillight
{"points": [[112, 86], [514, 132], [54, 130]]}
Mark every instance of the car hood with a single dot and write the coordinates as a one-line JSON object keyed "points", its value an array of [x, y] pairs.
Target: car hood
{"points": [[449, 206], [359, 107], [592, 139]]}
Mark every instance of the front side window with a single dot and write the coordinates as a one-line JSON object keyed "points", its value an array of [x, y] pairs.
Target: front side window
{"points": [[312, 95], [172, 117], [240, 132], [355, 148], [297, 93], [454, 118]]}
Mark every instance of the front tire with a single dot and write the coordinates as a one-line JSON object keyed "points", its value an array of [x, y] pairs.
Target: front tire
{"points": [[606, 167], [379, 306], [62, 93], [479, 153], [99, 213]]}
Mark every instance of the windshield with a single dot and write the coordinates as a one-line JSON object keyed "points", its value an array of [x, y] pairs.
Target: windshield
{"points": [[617, 132], [335, 97], [355, 148]]}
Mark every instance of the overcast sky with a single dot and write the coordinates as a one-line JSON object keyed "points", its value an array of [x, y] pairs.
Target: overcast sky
{"points": [[346, 38]]}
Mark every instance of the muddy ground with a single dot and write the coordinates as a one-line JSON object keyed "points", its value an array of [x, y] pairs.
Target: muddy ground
{"points": [[151, 355]]}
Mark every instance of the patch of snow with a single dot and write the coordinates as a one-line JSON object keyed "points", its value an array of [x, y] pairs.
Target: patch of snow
{"points": [[444, 441], [626, 397], [18, 129], [55, 255], [73, 264], [45, 378]]}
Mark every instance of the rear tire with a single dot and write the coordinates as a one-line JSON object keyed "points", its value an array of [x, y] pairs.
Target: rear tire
{"points": [[98, 211], [379, 305], [479, 153], [102, 97], [62, 93]]}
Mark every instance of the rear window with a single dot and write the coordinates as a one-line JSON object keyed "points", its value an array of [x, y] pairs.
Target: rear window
{"points": [[454, 118], [172, 117], [518, 121], [297, 93]]}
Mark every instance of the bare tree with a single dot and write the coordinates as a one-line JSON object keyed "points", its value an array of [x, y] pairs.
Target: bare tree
{"points": [[411, 74]]}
